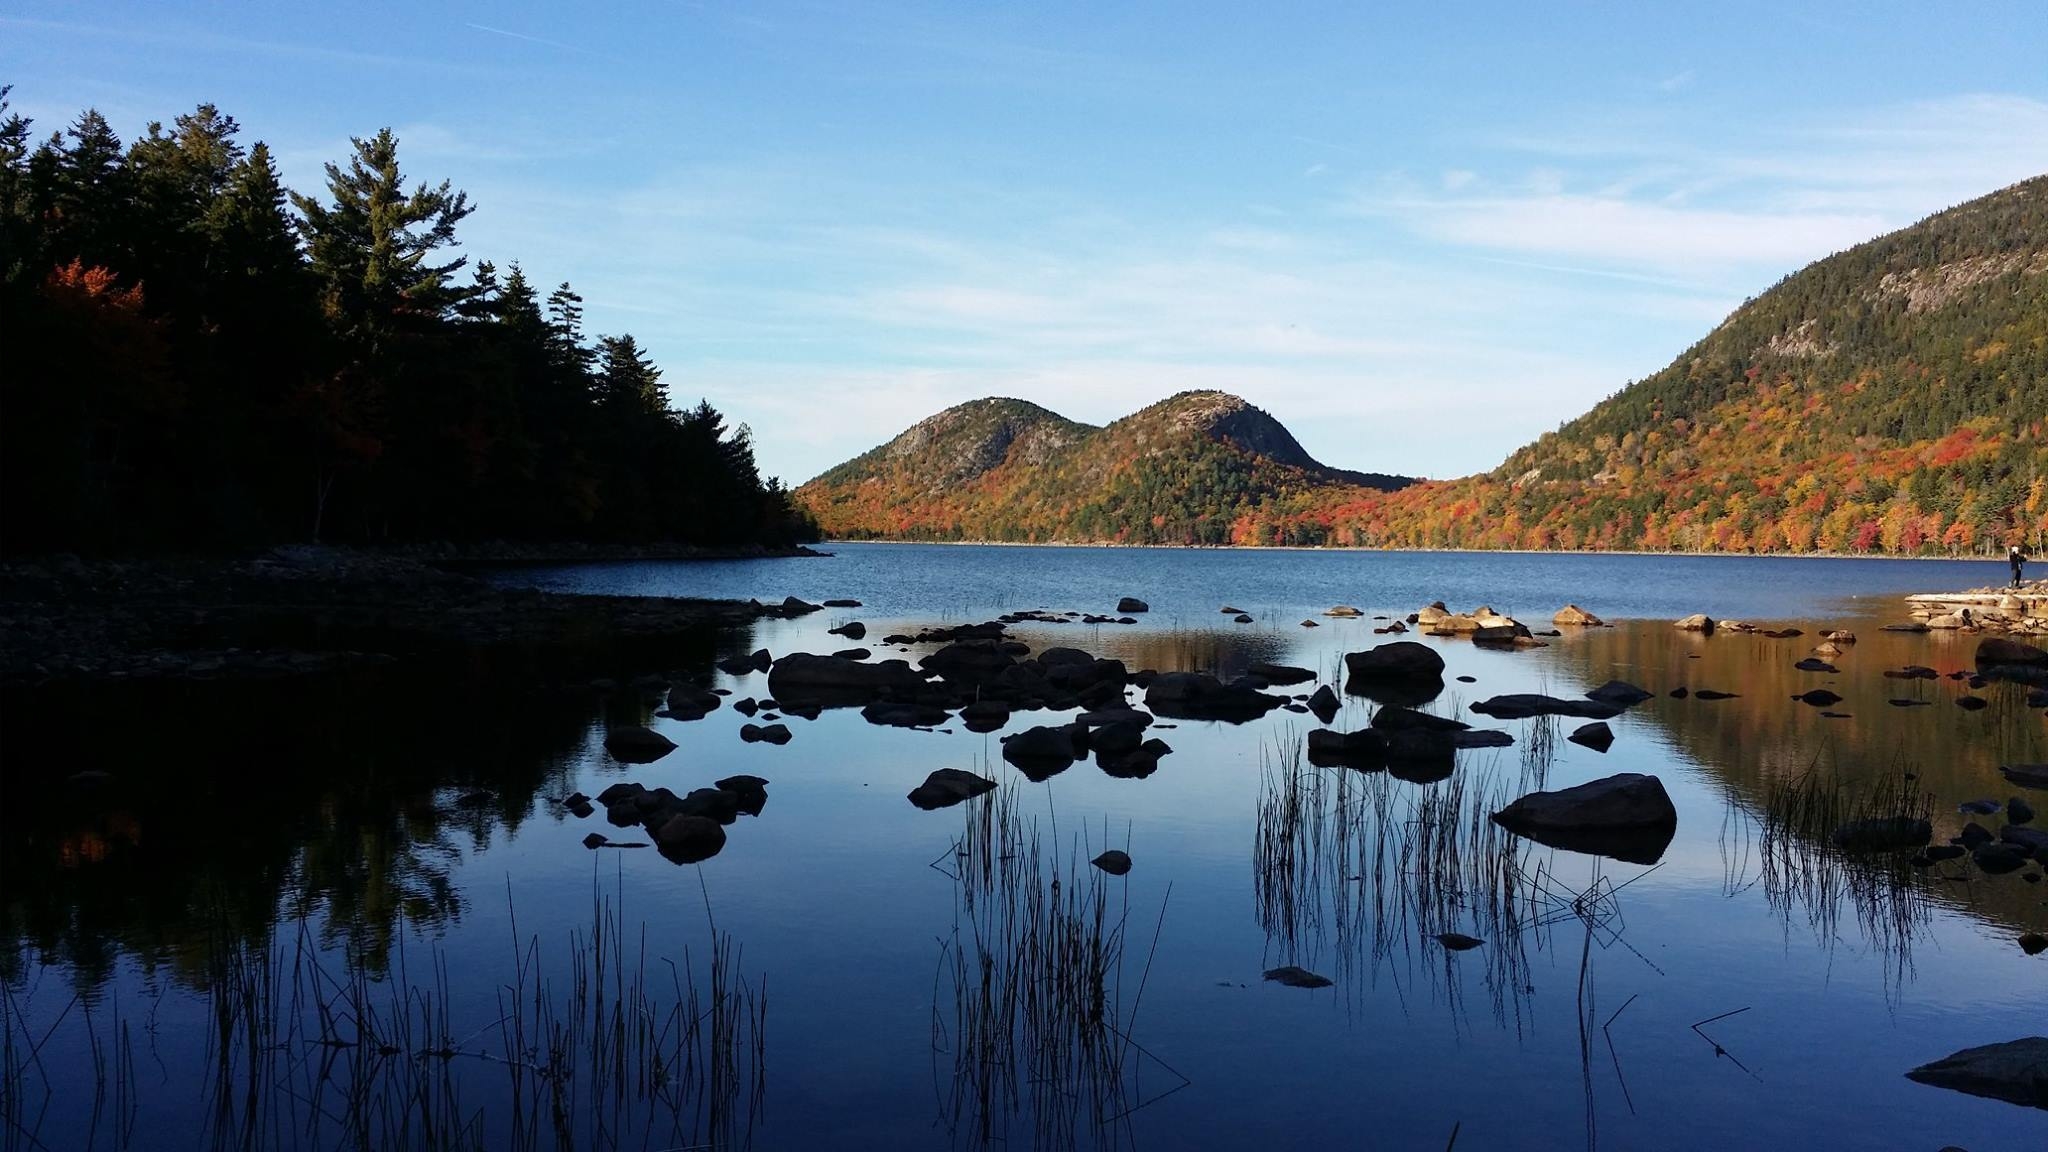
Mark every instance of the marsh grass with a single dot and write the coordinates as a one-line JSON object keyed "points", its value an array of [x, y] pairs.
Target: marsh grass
{"points": [[304, 1047], [1380, 868], [1803, 872], [1030, 1026]]}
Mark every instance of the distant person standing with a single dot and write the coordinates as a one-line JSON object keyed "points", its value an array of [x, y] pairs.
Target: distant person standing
{"points": [[2018, 560]]}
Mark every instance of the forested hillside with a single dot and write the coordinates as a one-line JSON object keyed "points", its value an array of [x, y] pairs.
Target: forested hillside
{"points": [[197, 356], [1891, 398], [1186, 470]]}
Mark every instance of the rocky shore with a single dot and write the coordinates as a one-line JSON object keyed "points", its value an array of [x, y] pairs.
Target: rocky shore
{"points": [[2022, 610], [299, 610]]}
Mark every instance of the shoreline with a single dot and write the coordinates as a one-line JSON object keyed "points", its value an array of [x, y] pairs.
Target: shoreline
{"points": [[1346, 548], [301, 611]]}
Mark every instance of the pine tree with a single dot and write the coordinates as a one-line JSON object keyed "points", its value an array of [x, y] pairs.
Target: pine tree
{"points": [[370, 247]]}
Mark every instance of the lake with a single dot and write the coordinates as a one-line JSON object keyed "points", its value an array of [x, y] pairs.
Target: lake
{"points": [[356, 911]]}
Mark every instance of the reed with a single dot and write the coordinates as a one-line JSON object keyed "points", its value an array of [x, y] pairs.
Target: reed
{"points": [[1030, 1027], [304, 1047]]}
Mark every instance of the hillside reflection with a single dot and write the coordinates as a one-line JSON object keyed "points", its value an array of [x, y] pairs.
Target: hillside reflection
{"points": [[158, 822]]}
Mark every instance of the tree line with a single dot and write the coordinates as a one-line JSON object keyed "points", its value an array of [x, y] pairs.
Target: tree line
{"points": [[200, 357]]}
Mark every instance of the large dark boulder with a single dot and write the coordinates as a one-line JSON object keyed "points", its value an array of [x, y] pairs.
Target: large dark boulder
{"points": [[688, 839], [1399, 672], [1400, 659], [840, 682], [636, 745], [1200, 696], [1046, 750], [1627, 816], [1523, 705], [689, 702], [1116, 739], [969, 661], [1323, 703], [985, 715], [1132, 604], [1597, 736], [2015, 1071], [1998, 651]]}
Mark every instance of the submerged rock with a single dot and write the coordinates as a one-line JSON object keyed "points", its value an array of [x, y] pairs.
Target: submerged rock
{"points": [[1818, 697], [1621, 693], [946, 787], [1458, 941], [1116, 862], [765, 733], [1996, 651], [1280, 674], [1627, 816], [1523, 705], [1883, 834], [2015, 1071], [1812, 664], [2025, 775], [1294, 977]]}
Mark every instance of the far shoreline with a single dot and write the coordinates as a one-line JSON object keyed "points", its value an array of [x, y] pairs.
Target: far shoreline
{"points": [[1993, 559]]}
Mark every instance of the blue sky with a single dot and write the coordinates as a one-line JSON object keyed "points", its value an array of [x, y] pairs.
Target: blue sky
{"points": [[1419, 237]]}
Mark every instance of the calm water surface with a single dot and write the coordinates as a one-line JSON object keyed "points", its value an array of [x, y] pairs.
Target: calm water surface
{"points": [[407, 827]]}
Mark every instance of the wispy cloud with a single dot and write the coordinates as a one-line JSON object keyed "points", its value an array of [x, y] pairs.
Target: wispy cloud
{"points": [[1632, 195], [541, 40]]}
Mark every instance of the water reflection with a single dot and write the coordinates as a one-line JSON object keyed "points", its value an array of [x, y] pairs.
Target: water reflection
{"points": [[1030, 1024], [346, 801]]}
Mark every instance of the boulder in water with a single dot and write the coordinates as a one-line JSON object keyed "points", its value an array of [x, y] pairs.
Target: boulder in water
{"points": [[1620, 692], [1523, 705], [688, 839], [1572, 614], [1697, 622], [636, 745], [1116, 862], [1627, 816], [1294, 977], [2015, 1071], [1132, 604], [946, 787], [1597, 736]]}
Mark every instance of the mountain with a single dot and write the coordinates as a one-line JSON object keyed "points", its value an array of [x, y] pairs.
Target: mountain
{"points": [[1190, 469], [1890, 398]]}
